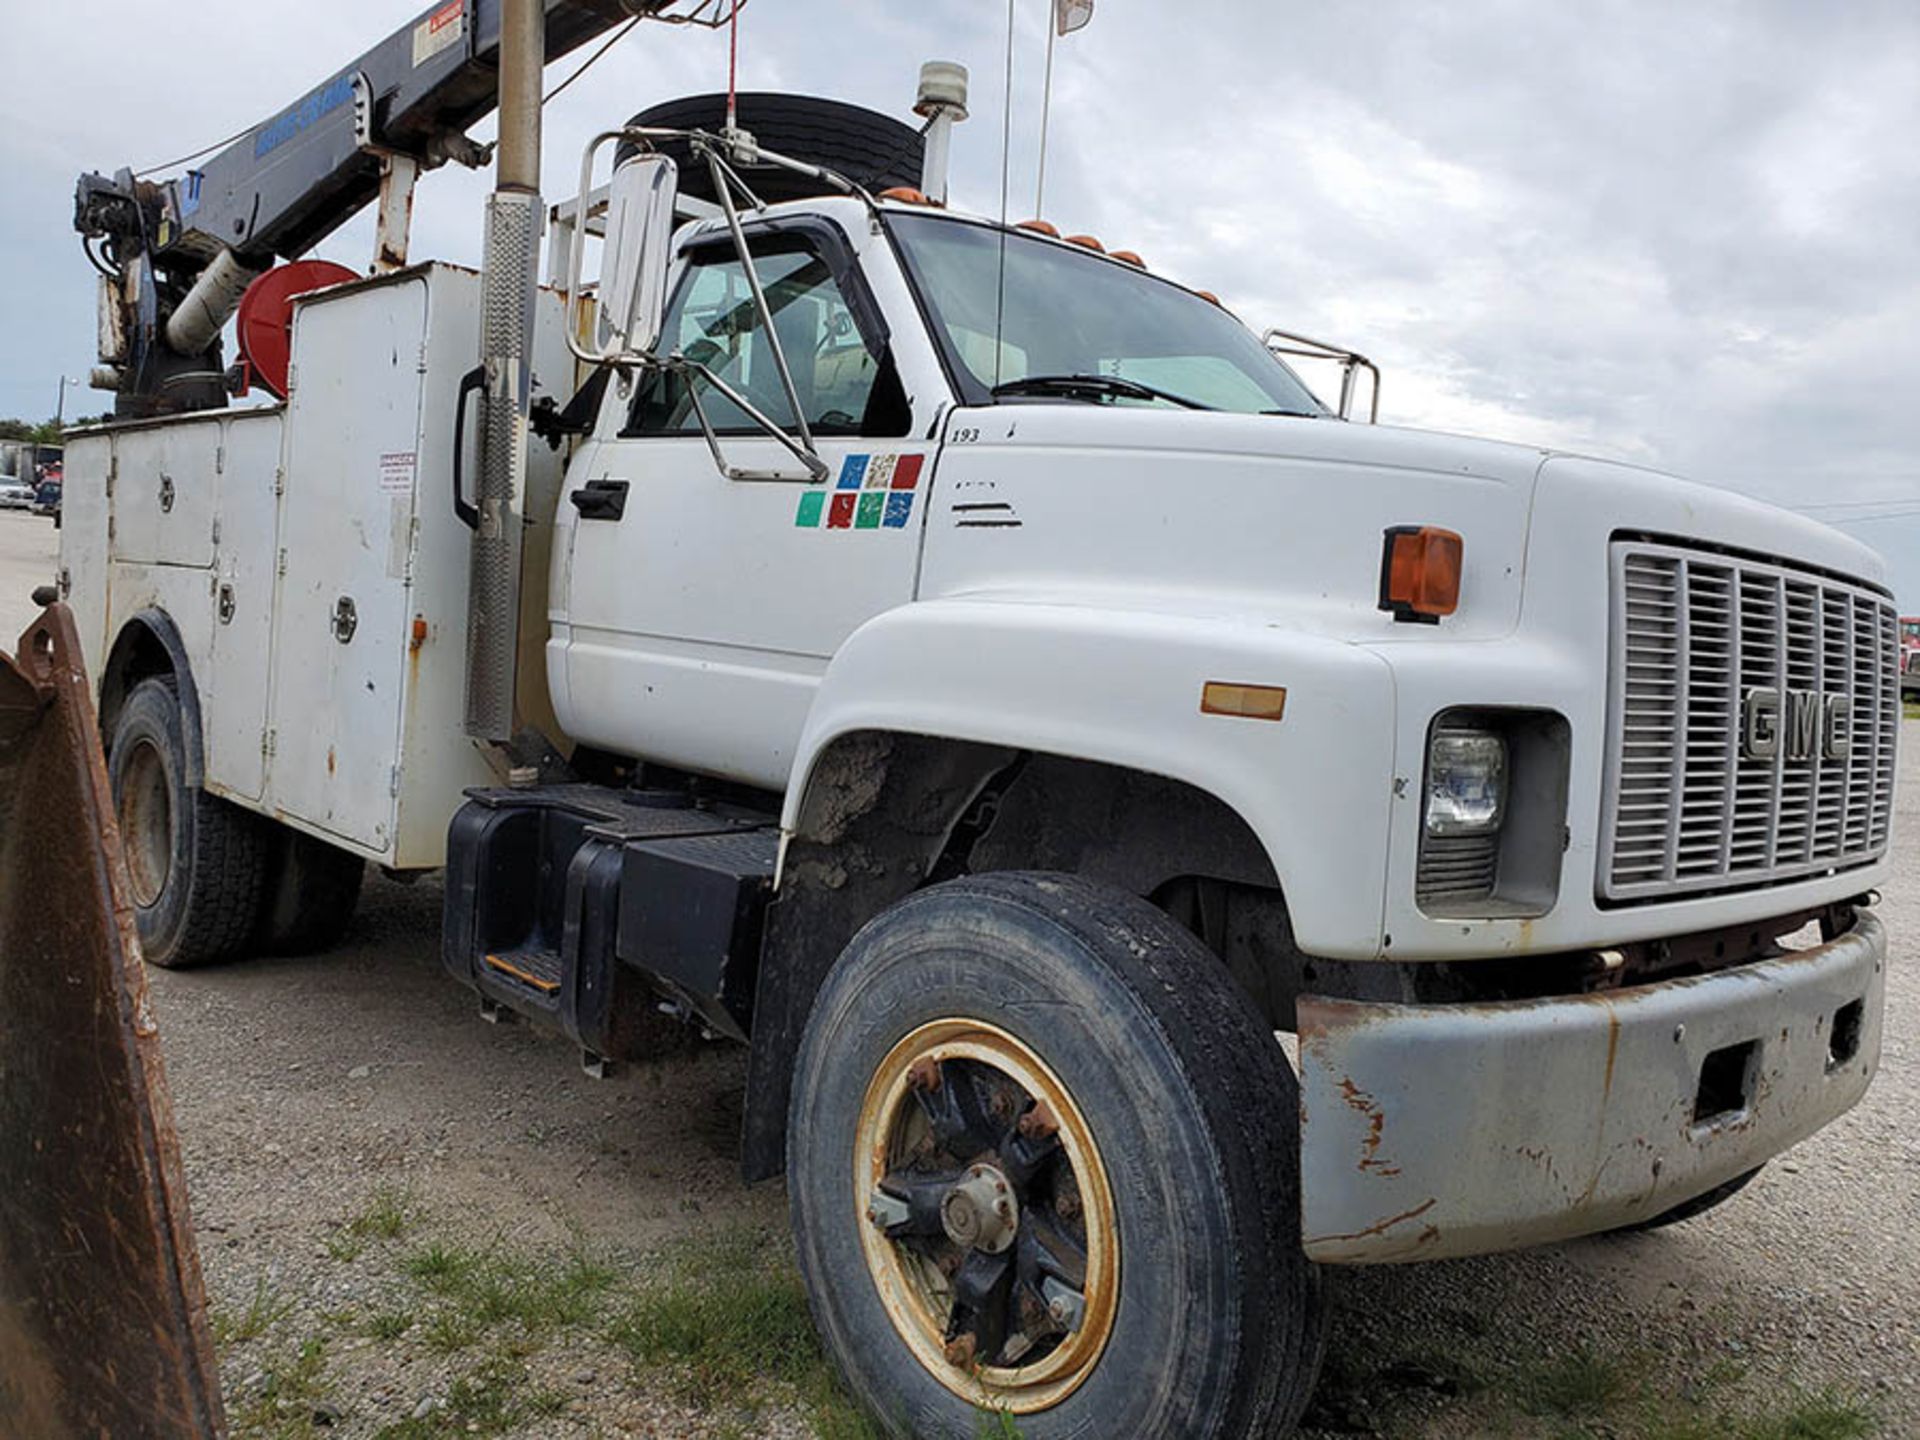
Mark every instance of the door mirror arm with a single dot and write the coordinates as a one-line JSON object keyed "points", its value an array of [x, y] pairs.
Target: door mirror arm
{"points": [[723, 182], [688, 370]]}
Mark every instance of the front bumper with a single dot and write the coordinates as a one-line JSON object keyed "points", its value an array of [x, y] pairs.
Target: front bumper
{"points": [[1431, 1131]]}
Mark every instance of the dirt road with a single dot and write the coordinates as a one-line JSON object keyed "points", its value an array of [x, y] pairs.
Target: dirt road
{"points": [[389, 1194]]}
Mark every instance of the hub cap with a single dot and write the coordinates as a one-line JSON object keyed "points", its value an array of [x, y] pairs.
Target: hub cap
{"points": [[145, 813], [988, 1221]]}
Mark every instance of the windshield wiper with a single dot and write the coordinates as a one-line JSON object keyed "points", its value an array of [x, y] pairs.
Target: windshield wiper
{"points": [[1295, 414], [1091, 387]]}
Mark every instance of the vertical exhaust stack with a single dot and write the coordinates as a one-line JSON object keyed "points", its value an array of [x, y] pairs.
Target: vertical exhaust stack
{"points": [[512, 259]]}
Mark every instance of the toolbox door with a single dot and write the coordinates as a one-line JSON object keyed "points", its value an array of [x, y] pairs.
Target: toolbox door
{"points": [[346, 534]]}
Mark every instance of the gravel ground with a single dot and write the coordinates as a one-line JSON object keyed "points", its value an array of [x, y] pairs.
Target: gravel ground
{"points": [[310, 1093], [28, 547]]}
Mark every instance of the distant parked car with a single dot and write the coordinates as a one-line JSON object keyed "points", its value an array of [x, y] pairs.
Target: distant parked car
{"points": [[1910, 675], [14, 495]]}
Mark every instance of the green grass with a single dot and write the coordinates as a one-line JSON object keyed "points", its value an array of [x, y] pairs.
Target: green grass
{"points": [[492, 1286], [1823, 1415], [263, 1310], [728, 1316], [1574, 1386], [285, 1406], [389, 1325], [388, 1215], [492, 1399]]}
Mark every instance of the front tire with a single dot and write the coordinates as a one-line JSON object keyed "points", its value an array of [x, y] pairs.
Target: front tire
{"points": [[1065, 1047], [193, 859], [1699, 1205]]}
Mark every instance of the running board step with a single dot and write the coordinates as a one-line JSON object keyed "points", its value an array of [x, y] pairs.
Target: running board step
{"points": [[536, 969], [593, 908]]}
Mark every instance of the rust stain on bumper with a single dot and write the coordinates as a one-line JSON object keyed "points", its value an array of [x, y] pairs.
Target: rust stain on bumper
{"points": [[1520, 1122], [103, 1326]]}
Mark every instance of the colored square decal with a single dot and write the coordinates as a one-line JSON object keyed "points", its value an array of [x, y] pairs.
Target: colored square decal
{"points": [[852, 471], [812, 505], [906, 472], [871, 508], [899, 507], [840, 516], [880, 472]]}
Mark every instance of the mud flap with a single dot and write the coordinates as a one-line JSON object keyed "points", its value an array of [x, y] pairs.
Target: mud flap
{"points": [[103, 1324]]}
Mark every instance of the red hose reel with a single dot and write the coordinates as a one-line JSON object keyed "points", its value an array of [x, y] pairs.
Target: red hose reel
{"points": [[264, 321]]}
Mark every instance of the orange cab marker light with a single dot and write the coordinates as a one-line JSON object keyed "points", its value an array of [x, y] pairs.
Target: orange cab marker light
{"points": [[1420, 573], [1209, 297], [1039, 227], [1087, 242], [1250, 702], [1130, 258], [906, 195]]}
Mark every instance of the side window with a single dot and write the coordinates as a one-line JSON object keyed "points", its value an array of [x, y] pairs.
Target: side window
{"points": [[844, 388]]}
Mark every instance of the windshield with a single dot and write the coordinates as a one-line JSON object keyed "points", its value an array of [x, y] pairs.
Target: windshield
{"points": [[1063, 314]]}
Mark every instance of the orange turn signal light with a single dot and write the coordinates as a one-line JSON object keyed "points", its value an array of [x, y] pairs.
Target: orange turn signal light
{"points": [[1420, 573], [1250, 702]]}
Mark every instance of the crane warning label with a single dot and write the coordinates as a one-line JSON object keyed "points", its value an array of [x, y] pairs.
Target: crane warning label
{"points": [[442, 28]]}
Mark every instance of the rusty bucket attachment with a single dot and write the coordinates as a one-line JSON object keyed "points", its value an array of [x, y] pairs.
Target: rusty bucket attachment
{"points": [[103, 1324]]}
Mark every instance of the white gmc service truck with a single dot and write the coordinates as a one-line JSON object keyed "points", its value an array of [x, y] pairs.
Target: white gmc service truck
{"points": [[977, 673]]}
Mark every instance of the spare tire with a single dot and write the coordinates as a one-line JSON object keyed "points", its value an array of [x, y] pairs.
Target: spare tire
{"points": [[870, 149]]}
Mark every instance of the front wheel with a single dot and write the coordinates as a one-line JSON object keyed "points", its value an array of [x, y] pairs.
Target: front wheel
{"points": [[1043, 1159], [1699, 1205]]}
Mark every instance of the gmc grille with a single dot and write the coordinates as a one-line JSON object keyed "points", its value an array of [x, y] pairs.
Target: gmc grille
{"points": [[1752, 717]]}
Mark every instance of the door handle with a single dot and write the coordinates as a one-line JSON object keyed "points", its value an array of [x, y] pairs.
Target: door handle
{"points": [[601, 500], [470, 382]]}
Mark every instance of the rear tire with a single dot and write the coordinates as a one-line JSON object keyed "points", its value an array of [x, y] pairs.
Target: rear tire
{"points": [[194, 860], [311, 891], [1185, 1114]]}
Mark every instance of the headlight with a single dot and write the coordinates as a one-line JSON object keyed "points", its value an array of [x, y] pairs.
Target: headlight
{"points": [[1466, 782]]}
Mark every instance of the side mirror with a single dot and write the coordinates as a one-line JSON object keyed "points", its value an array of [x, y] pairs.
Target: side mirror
{"points": [[637, 221], [633, 270]]}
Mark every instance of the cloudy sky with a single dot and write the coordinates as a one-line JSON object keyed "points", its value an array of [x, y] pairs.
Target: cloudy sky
{"points": [[1684, 235]]}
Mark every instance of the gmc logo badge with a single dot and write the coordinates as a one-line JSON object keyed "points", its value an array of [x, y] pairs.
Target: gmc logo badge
{"points": [[1797, 722]]}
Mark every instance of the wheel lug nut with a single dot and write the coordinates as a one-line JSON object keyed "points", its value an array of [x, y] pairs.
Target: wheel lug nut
{"points": [[1039, 1123]]}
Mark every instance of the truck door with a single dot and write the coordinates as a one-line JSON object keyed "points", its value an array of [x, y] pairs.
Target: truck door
{"points": [[702, 610]]}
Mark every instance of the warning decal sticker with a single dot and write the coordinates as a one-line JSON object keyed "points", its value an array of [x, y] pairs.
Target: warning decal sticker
{"points": [[397, 469], [442, 28], [872, 492]]}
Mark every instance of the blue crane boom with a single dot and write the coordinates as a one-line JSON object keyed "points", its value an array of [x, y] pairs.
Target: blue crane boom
{"points": [[175, 254]]}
